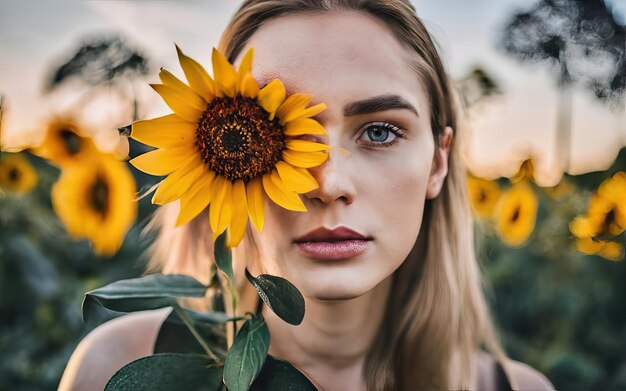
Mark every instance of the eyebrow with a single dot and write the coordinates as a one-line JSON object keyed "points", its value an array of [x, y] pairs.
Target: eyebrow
{"points": [[376, 104], [364, 106]]}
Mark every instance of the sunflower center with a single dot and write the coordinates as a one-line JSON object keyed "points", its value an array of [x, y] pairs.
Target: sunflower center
{"points": [[237, 140], [71, 141], [515, 214], [99, 195], [14, 175]]}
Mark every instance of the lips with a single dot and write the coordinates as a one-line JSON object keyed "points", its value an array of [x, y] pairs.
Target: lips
{"points": [[339, 243]]}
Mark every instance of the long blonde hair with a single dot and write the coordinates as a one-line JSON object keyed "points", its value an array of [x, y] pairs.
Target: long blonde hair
{"points": [[436, 318]]}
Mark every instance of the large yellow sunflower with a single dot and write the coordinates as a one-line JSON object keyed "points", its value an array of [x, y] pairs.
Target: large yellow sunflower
{"points": [[65, 143], [483, 195], [16, 173], [516, 214], [228, 143], [96, 200], [610, 250]]}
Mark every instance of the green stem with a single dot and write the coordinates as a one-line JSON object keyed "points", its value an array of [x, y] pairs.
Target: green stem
{"points": [[189, 323], [233, 295]]}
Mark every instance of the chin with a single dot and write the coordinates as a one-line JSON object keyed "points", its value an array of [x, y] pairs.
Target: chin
{"points": [[338, 286]]}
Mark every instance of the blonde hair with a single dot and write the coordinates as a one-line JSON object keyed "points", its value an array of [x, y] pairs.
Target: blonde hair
{"points": [[436, 318]]}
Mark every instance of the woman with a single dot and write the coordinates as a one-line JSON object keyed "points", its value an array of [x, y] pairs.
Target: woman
{"points": [[396, 304]]}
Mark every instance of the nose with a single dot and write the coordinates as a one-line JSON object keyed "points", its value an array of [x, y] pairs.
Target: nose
{"points": [[335, 180]]}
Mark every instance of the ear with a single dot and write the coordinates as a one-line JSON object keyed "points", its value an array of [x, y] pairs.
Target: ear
{"points": [[439, 169]]}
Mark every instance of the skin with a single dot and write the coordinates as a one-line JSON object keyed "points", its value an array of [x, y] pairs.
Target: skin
{"points": [[376, 190]]}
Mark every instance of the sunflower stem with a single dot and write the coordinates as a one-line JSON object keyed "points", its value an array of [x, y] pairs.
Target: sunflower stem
{"points": [[233, 295], [189, 323]]}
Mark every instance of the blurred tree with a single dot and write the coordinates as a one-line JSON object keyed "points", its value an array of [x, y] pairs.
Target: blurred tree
{"points": [[104, 61], [582, 42], [477, 86]]}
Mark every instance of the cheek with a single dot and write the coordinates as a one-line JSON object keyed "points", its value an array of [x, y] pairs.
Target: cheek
{"points": [[393, 192]]}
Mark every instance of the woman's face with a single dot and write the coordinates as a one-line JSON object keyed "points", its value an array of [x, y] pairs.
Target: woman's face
{"points": [[374, 182]]}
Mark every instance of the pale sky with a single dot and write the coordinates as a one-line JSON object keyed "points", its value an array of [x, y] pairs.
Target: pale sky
{"points": [[37, 35]]}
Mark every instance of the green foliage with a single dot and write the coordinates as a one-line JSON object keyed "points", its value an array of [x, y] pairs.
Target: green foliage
{"points": [[167, 371], [145, 293], [281, 296], [247, 355]]}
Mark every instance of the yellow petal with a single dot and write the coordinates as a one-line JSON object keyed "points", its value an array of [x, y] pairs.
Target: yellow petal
{"points": [[306, 146], [197, 76], [224, 73], [162, 161], [282, 196], [254, 195], [239, 220], [178, 182], [177, 103], [245, 66], [304, 113], [196, 199], [185, 92], [164, 132], [304, 159], [295, 178], [249, 87], [304, 126], [293, 102], [220, 211], [272, 96]]}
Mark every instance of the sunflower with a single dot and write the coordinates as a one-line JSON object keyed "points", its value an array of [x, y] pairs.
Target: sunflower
{"points": [[516, 214], [96, 200], [64, 143], [525, 172], [483, 195], [228, 143], [16, 173], [610, 250]]}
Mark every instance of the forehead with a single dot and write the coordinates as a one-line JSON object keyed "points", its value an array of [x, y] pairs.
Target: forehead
{"points": [[335, 56]]}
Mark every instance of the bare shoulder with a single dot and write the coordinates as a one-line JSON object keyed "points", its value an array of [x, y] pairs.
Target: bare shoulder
{"points": [[109, 347], [526, 377]]}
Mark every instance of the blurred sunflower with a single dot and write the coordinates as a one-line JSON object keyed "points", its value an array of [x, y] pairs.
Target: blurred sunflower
{"points": [[610, 250], [516, 214], [64, 143], [16, 173], [525, 172], [96, 200], [483, 195], [228, 143]]}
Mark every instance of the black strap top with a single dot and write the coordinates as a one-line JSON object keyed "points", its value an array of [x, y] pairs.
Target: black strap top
{"points": [[502, 381]]}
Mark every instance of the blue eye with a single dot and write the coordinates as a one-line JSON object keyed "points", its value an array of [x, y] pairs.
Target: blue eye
{"points": [[379, 133]]}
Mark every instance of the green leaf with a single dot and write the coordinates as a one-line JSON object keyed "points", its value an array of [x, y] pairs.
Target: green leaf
{"points": [[224, 257], [280, 375], [247, 355], [175, 337], [280, 295], [138, 294], [167, 371]]}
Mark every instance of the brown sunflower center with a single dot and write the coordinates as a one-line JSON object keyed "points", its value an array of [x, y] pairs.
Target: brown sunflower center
{"points": [[237, 140], [71, 141], [14, 175], [516, 213], [99, 195]]}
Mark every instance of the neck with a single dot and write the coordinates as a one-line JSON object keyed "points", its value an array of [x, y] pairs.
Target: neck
{"points": [[331, 343]]}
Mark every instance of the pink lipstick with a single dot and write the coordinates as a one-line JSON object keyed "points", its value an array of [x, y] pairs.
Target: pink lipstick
{"points": [[339, 243]]}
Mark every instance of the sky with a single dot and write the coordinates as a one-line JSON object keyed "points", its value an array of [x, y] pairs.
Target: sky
{"points": [[36, 36]]}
